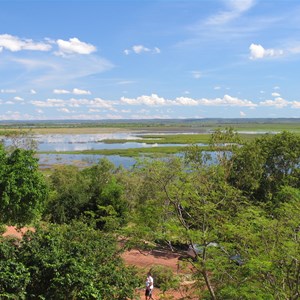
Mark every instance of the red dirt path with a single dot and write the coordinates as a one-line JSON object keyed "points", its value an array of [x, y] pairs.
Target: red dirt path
{"points": [[145, 260]]}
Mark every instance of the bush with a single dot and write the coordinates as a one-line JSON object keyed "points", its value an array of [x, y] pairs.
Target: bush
{"points": [[164, 278]]}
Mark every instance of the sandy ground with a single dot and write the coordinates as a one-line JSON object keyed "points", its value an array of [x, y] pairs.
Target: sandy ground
{"points": [[11, 231], [145, 260]]}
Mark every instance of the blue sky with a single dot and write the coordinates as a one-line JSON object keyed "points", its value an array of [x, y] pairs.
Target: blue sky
{"points": [[149, 59]]}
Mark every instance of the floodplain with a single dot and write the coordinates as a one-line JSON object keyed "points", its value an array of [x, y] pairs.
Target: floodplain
{"points": [[85, 142]]}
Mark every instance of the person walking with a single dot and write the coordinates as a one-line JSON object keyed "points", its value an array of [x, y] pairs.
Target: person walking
{"points": [[149, 286]]}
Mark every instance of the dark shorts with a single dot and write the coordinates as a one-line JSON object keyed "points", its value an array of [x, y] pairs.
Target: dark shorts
{"points": [[148, 292]]}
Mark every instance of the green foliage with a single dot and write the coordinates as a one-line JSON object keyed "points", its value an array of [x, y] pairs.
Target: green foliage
{"points": [[69, 194], [23, 190], [164, 278], [261, 167], [65, 262], [90, 193], [14, 274]]}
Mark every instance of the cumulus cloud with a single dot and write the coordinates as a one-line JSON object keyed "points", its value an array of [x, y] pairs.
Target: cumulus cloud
{"points": [[138, 49], [155, 100], [295, 104], [277, 102], [80, 92], [275, 94], [75, 91], [258, 52], [14, 44], [64, 110], [17, 98], [49, 103], [73, 102], [74, 46], [60, 92]]}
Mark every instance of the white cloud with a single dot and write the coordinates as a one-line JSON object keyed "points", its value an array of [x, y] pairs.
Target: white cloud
{"points": [[155, 100], [18, 98], [295, 104], [98, 102], [33, 92], [156, 50], [242, 114], [276, 88], [186, 101], [227, 100], [92, 110], [74, 46], [49, 103], [91, 103], [295, 50], [64, 110], [60, 92], [235, 9], [258, 52], [275, 94], [4, 91], [138, 49], [80, 92], [196, 74], [278, 103], [240, 5], [217, 88], [14, 44], [124, 82], [75, 91]]}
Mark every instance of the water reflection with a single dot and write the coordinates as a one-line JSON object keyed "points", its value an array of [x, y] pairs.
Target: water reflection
{"points": [[82, 160], [87, 160], [80, 142]]}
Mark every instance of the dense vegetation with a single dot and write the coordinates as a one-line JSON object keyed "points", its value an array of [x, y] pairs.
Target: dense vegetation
{"points": [[239, 217]]}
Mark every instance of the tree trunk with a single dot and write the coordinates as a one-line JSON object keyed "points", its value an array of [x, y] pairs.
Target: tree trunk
{"points": [[208, 284]]}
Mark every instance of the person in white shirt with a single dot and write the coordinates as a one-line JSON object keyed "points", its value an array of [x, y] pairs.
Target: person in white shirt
{"points": [[149, 286]]}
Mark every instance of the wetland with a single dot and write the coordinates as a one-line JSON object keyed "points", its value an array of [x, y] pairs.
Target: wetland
{"points": [[84, 143]]}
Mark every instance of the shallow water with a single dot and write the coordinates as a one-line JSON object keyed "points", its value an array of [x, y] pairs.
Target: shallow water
{"points": [[82, 160], [81, 142]]}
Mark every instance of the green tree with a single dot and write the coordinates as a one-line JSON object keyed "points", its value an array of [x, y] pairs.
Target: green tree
{"points": [[93, 192], [14, 276], [75, 262], [262, 166], [69, 194], [106, 204], [23, 190], [189, 206]]}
